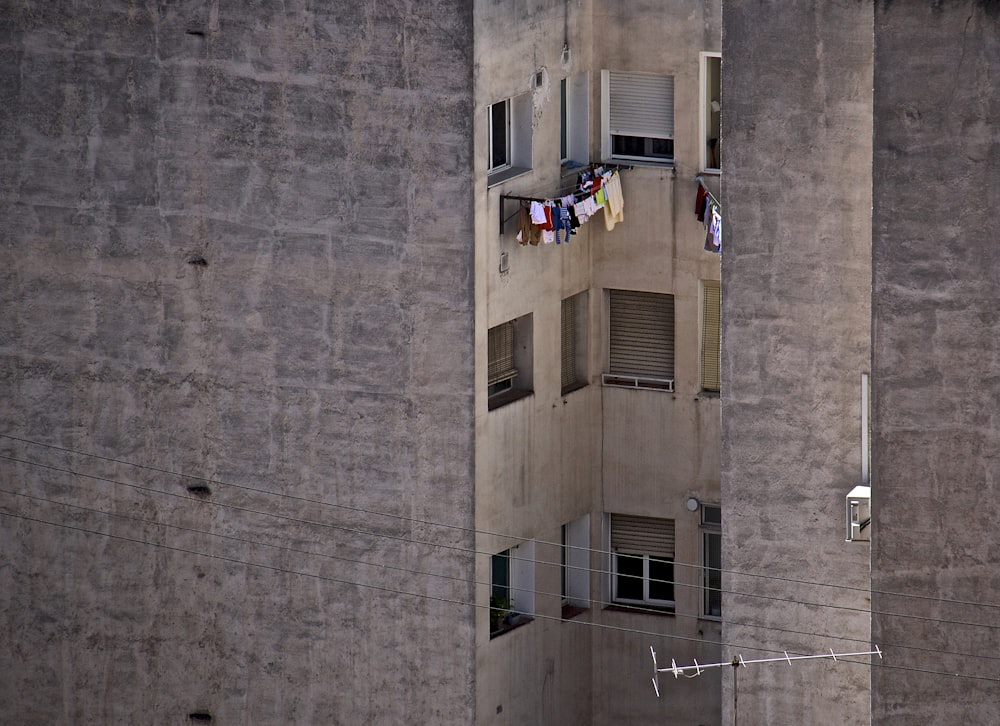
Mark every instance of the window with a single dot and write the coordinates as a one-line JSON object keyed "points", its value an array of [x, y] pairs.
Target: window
{"points": [[573, 343], [638, 116], [510, 361], [711, 335], [642, 566], [499, 136], [711, 114], [574, 129], [711, 557], [640, 340], [512, 588], [575, 570], [509, 138]]}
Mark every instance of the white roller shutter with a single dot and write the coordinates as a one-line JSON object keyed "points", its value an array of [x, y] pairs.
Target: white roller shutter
{"points": [[641, 104]]}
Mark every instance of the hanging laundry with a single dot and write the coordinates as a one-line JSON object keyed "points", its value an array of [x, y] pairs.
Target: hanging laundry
{"points": [[713, 238], [614, 211], [699, 203]]}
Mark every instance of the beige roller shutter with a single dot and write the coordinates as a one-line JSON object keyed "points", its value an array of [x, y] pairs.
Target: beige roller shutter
{"points": [[568, 344], [501, 353], [711, 335], [642, 535], [641, 334]]}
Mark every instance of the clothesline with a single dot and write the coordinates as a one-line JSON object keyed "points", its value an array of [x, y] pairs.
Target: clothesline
{"points": [[581, 172], [557, 220]]}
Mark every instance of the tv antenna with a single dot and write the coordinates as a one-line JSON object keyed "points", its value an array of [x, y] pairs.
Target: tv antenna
{"points": [[698, 668]]}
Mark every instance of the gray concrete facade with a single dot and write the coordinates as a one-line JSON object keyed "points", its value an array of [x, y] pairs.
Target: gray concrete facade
{"points": [[796, 311], [936, 294], [222, 255]]}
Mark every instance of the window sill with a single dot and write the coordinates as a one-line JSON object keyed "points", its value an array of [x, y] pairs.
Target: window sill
{"points": [[709, 394], [515, 622], [573, 387], [712, 172], [499, 177], [640, 610], [711, 618], [509, 396], [571, 611]]}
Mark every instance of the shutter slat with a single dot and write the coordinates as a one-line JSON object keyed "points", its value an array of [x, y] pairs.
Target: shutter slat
{"points": [[642, 535], [641, 105]]}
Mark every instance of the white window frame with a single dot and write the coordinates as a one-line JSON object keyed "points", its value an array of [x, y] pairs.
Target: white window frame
{"points": [[517, 113], [706, 117], [646, 598], [634, 119]]}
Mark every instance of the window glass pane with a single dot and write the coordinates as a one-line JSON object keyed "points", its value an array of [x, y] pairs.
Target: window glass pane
{"points": [[711, 515], [629, 577], [661, 579], [713, 575], [498, 135], [500, 574]]}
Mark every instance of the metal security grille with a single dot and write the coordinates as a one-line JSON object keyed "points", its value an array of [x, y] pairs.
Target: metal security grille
{"points": [[641, 104], [642, 535], [501, 353], [711, 335], [568, 342], [641, 334]]}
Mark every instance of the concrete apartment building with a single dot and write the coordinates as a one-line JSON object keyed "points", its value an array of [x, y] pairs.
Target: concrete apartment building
{"points": [[860, 178], [293, 432], [597, 407]]}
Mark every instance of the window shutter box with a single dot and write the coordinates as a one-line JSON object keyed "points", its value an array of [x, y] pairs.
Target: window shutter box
{"points": [[642, 536]]}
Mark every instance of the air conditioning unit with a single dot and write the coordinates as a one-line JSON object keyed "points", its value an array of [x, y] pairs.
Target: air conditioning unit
{"points": [[859, 514]]}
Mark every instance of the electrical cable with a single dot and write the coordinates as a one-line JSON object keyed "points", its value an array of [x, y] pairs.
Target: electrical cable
{"points": [[449, 526], [772, 598], [463, 603], [623, 606]]}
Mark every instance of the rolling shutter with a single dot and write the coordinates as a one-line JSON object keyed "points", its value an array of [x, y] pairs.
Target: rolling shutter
{"points": [[642, 334], [642, 535], [501, 353], [711, 335], [641, 104], [568, 342]]}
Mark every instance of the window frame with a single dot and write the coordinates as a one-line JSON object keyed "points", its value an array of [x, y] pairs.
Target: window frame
{"points": [[707, 117], [519, 607], [574, 570], [573, 342], [657, 536], [711, 530], [506, 384], [640, 354], [506, 163], [630, 118]]}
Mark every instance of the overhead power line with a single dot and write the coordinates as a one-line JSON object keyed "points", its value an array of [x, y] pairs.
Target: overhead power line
{"points": [[361, 510], [463, 603]]}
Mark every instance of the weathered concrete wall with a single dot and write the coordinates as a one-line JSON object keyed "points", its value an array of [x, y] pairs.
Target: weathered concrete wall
{"points": [[936, 362], [323, 356], [796, 281]]}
